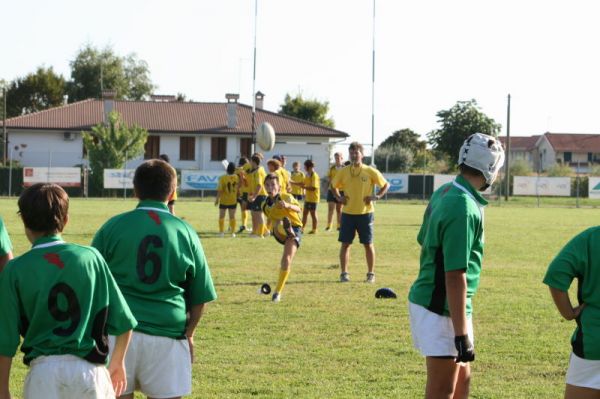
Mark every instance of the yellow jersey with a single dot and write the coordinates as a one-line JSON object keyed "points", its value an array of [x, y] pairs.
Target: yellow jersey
{"points": [[228, 187], [274, 212], [312, 181], [332, 172], [283, 180], [297, 177], [255, 178], [358, 183], [242, 172]]}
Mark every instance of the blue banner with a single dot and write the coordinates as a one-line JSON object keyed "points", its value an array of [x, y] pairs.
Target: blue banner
{"points": [[200, 179]]}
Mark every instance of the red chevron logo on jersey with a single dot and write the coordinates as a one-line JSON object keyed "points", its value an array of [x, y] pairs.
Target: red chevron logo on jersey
{"points": [[54, 259], [154, 216]]}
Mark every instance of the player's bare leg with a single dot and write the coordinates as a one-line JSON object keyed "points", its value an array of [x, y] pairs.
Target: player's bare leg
{"points": [[313, 216], [232, 221], [331, 206], [338, 211], [344, 256], [304, 217], [574, 392], [446, 380], [370, 255]]}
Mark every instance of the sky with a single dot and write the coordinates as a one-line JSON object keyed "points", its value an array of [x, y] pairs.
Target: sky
{"points": [[429, 54]]}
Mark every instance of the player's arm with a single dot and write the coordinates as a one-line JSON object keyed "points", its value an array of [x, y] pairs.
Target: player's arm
{"points": [[116, 367], [456, 291], [563, 304], [196, 313], [218, 197], [5, 364], [292, 207], [4, 259]]}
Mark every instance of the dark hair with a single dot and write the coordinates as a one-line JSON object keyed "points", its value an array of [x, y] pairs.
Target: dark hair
{"points": [[271, 176], [296, 163], [355, 145], [347, 163], [154, 180], [231, 168], [468, 170], [243, 161], [256, 159], [258, 154], [165, 158], [309, 163], [275, 162], [44, 208]]}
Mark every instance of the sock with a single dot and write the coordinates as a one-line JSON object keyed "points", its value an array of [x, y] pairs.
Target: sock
{"points": [[221, 225], [329, 225], [244, 218], [283, 276], [263, 229], [232, 225]]}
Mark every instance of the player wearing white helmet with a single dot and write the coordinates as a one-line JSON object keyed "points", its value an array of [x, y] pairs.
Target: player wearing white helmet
{"points": [[451, 239]]}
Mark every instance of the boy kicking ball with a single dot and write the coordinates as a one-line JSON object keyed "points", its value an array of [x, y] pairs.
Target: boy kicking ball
{"points": [[284, 210], [63, 300]]}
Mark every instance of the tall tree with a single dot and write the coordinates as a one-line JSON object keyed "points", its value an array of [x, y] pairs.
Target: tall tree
{"points": [[93, 70], [405, 138], [310, 110], [457, 123], [110, 146], [35, 92]]}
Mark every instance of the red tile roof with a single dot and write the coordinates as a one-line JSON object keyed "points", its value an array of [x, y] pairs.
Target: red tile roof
{"points": [[570, 142], [520, 143], [169, 117]]}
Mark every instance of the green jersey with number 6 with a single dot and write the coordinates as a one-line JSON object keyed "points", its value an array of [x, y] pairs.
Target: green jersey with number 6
{"points": [[158, 262], [63, 300]]}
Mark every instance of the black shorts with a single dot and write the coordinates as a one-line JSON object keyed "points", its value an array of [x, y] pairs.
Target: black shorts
{"points": [[331, 197], [310, 206], [298, 238], [243, 198], [299, 197], [221, 206], [351, 224], [256, 205]]}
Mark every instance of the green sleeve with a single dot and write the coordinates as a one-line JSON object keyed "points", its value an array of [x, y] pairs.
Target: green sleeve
{"points": [[201, 288], [5, 244], [568, 264], [9, 309], [458, 234]]}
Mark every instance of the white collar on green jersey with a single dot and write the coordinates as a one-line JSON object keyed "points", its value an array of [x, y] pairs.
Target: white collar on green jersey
{"points": [[150, 208], [47, 241]]}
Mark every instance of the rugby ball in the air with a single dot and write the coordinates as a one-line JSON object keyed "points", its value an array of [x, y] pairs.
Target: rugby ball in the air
{"points": [[265, 136], [385, 293]]}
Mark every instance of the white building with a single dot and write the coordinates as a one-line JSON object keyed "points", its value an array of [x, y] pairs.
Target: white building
{"points": [[194, 135]]}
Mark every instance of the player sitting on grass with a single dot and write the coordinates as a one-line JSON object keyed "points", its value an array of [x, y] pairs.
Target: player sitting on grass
{"points": [[580, 259], [5, 246], [227, 192], [451, 239], [159, 264], [283, 210], [62, 299]]}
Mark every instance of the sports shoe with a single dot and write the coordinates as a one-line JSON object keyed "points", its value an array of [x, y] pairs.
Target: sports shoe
{"points": [[232, 235], [312, 232], [276, 297], [344, 277], [242, 228], [328, 228], [370, 278]]}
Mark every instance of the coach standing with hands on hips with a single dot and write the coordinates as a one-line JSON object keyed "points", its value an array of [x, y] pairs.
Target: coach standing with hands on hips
{"points": [[358, 181]]}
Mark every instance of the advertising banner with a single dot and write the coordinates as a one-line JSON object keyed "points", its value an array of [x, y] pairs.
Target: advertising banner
{"points": [[64, 177], [398, 183], [200, 180], [118, 178], [542, 186], [594, 187]]}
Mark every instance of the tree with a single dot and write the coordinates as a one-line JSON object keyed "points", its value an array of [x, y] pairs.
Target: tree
{"points": [[93, 70], [310, 110], [458, 123], [35, 92], [393, 158], [110, 146], [405, 138]]}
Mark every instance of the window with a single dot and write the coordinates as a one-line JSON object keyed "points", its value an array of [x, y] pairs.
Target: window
{"points": [[245, 147], [152, 147], [218, 148], [187, 148], [590, 157], [568, 156]]}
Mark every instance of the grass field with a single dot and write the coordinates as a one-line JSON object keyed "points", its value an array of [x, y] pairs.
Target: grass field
{"points": [[332, 340]]}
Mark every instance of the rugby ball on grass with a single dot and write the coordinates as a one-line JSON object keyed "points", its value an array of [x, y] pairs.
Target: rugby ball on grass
{"points": [[265, 136]]}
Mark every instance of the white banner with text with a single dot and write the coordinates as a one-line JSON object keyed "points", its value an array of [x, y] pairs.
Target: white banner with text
{"points": [[543, 186], [200, 179], [118, 178], [398, 182], [65, 177]]}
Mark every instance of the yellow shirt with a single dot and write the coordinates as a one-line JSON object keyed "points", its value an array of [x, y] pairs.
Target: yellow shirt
{"points": [[242, 172], [332, 172], [312, 181], [228, 186], [274, 212], [297, 177], [357, 184], [283, 180], [255, 178]]}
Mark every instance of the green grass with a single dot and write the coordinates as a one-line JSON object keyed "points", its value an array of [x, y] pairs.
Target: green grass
{"points": [[327, 339]]}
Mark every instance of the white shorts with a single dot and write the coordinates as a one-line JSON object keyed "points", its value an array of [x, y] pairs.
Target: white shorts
{"points": [[433, 335], [583, 372], [159, 367], [67, 377]]}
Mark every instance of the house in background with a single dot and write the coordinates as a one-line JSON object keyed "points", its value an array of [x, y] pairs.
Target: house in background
{"points": [[194, 135], [521, 148]]}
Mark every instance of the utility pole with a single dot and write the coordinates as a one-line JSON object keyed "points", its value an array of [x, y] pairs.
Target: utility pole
{"points": [[507, 165], [253, 146], [373, 94], [4, 145]]}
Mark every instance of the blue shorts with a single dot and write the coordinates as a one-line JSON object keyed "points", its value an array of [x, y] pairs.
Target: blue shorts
{"points": [[331, 197], [363, 224], [256, 205], [297, 239]]}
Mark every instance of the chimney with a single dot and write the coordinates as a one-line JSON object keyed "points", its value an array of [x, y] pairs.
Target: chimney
{"points": [[232, 100], [108, 102], [260, 99]]}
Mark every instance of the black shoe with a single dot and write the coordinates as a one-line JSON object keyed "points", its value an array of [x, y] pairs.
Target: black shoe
{"points": [[242, 228]]}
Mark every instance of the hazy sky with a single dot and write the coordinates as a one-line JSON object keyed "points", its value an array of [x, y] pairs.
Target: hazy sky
{"points": [[429, 54]]}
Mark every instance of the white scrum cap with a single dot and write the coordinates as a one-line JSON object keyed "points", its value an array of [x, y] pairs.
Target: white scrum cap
{"points": [[484, 153]]}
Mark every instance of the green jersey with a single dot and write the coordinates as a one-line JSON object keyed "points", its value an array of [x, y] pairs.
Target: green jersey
{"points": [[580, 259], [451, 238], [5, 245], [158, 262], [63, 300]]}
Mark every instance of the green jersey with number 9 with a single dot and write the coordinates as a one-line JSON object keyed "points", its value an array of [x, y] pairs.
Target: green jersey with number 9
{"points": [[63, 300], [159, 265]]}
